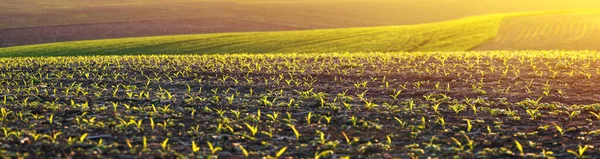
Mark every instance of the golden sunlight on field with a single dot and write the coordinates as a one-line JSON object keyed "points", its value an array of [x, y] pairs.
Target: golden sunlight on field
{"points": [[571, 31], [297, 13], [325, 79]]}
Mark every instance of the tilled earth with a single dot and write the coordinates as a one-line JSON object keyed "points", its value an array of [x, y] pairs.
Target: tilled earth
{"points": [[376, 105]]}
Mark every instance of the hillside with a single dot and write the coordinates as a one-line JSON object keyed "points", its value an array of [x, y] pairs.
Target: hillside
{"points": [[567, 30], [25, 22], [322, 13], [456, 35], [572, 31]]}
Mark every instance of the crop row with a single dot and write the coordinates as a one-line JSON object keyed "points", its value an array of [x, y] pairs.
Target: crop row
{"points": [[380, 105]]}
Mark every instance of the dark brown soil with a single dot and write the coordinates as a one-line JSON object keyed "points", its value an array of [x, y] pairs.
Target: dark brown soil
{"points": [[497, 105]]}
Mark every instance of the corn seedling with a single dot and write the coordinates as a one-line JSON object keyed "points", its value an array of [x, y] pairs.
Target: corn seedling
{"points": [[296, 133], [580, 151], [195, 147], [213, 149]]}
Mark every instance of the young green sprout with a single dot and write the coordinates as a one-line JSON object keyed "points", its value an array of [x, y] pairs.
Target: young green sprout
{"points": [[559, 129], [213, 149], [402, 123], [145, 143], [442, 122], [83, 137], [280, 152], [580, 152], [519, 147], [195, 147], [253, 129], [295, 131], [164, 145], [308, 116], [326, 153], [458, 143], [469, 126]]}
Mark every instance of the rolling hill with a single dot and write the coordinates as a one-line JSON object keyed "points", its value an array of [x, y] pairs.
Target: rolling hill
{"points": [[570, 31], [25, 22], [565, 30], [462, 34], [318, 13]]}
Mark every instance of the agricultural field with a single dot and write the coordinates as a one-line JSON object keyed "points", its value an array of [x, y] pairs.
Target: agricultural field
{"points": [[488, 104], [322, 79], [569, 31], [543, 30], [25, 22], [455, 35]]}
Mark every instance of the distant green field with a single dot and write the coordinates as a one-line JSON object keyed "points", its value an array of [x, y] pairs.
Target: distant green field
{"points": [[574, 30], [456, 35]]}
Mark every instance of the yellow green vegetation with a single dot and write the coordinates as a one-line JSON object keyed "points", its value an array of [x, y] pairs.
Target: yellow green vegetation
{"points": [[523, 104], [456, 35], [560, 30], [570, 31]]}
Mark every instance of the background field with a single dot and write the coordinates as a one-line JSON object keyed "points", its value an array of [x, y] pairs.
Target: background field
{"points": [[456, 35], [571, 31], [560, 30], [32, 22]]}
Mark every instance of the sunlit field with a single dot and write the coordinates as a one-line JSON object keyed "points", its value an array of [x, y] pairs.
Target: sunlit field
{"points": [[25, 22], [332, 13], [456, 35], [379, 105], [570, 31], [314, 79], [545, 30]]}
